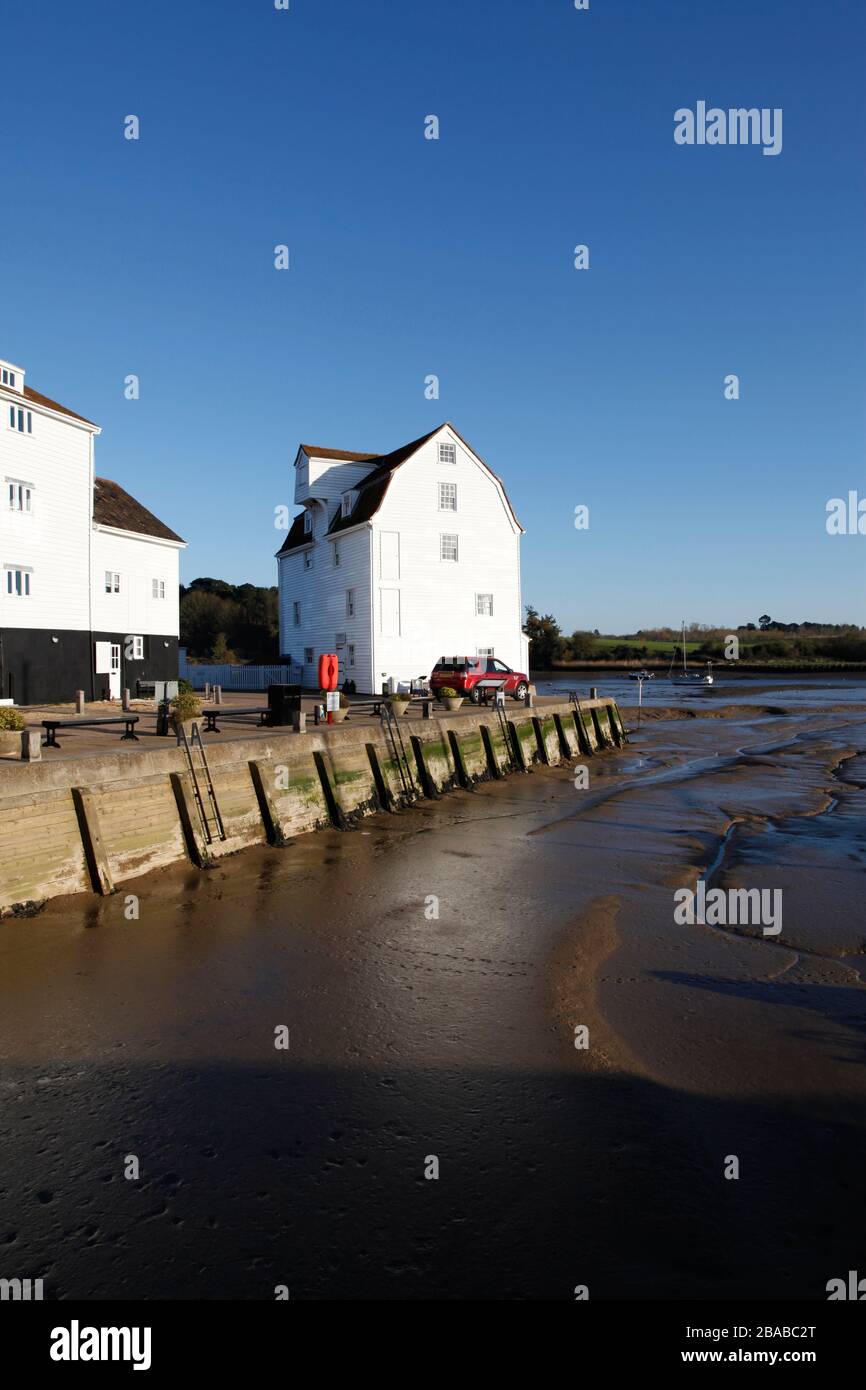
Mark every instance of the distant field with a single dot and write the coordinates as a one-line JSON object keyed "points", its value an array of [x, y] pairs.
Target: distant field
{"points": [[608, 643]]}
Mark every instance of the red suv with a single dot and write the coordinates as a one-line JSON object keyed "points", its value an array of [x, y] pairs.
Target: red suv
{"points": [[468, 675]]}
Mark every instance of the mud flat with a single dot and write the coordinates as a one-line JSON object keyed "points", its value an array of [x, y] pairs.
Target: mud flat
{"points": [[432, 969]]}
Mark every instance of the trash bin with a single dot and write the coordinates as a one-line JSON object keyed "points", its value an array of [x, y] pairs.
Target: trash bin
{"points": [[283, 702], [162, 716]]}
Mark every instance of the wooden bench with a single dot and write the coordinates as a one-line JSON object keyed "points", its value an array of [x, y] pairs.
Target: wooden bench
{"points": [[374, 705], [52, 725], [232, 712]]}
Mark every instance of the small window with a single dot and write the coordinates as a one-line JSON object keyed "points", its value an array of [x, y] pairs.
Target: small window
{"points": [[20, 496], [296, 614], [336, 554], [308, 656], [350, 603], [484, 606], [447, 497], [350, 655], [346, 508], [158, 588], [136, 649], [447, 453], [20, 420], [18, 583], [112, 582], [447, 547], [308, 559], [484, 653], [308, 522], [8, 378]]}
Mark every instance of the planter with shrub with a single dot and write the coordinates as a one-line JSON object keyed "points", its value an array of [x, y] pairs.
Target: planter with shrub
{"points": [[11, 726], [448, 697], [185, 712], [399, 703]]}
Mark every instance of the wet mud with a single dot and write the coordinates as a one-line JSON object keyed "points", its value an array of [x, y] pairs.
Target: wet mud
{"points": [[434, 971]]}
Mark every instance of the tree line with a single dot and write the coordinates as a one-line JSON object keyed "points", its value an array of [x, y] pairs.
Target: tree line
{"points": [[229, 622], [765, 640]]}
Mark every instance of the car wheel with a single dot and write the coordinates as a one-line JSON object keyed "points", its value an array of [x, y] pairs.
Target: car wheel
{"points": [[520, 691], [475, 695]]}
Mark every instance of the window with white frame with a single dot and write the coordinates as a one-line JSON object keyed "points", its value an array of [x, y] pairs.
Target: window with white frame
{"points": [[157, 588], [447, 547], [20, 495], [20, 420], [135, 648], [483, 652], [348, 501], [447, 453], [350, 655], [350, 603], [18, 582], [308, 522], [112, 582], [7, 378], [296, 614], [308, 656], [447, 497], [336, 554], [308, 559], [484, 605]]}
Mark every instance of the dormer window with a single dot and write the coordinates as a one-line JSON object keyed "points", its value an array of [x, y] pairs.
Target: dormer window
{"points": [[347, 504], [7, 378], [308, 522], [447, 453]]}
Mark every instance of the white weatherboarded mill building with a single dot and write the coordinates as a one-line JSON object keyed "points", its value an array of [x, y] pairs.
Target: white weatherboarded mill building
{"points": [[88, 576], [399, 559]]}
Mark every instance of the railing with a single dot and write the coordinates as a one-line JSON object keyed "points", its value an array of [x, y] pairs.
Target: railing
{"points": [[236, 677]]}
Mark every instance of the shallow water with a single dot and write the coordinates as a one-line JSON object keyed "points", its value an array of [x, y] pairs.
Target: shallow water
{"points": [[450, 1033], [793, 692]]}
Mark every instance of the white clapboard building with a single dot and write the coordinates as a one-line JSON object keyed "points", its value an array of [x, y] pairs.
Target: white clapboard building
{"points": [[89, 578], [398, 559]]}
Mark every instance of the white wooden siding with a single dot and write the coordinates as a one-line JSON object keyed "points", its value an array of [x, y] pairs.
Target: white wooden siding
{"points": [[321, 592], [437, 597], [138, 560], [53, 538]]}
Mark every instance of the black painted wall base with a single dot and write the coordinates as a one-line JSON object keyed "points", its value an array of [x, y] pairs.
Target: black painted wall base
{"points": [[36, 669]]}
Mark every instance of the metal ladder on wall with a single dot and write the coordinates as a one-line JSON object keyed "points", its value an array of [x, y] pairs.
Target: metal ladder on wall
{"points": [[506, 734], [394, 739], [203, 788]]}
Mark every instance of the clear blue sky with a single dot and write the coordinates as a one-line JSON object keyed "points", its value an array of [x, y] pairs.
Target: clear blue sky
{"points": [[411, 257]]}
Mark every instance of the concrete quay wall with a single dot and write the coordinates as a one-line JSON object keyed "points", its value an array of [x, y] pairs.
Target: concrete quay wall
{"points": [[96, 822]]}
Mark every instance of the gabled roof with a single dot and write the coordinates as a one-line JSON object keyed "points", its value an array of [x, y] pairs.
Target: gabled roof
{"points": [[112, 506], [372, 488], [38, 399]]}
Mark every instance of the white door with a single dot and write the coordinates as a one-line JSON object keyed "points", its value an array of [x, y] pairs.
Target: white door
{"points": [[114, 672], [390, 612], [389, 555]]}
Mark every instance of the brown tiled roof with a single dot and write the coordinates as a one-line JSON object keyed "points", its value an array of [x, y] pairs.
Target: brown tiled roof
{"points": [[114, 507], [316, 451], [296, 535], [38, 399]]}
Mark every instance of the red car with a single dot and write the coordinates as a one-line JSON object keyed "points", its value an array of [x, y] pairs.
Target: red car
{"points": [[468, 676]]}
